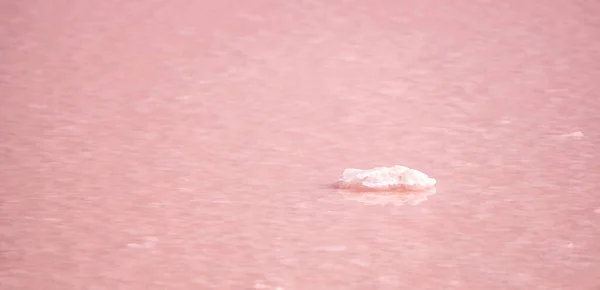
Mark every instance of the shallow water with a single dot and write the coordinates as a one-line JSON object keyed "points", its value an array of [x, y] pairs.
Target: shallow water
{"points": [[192, 145]]}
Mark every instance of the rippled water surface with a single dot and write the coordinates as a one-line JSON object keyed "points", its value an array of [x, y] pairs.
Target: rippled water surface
{"points": [[192, 145]]}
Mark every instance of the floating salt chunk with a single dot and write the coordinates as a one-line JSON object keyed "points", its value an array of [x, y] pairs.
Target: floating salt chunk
{"points": [[386, 178], [575, 135]]}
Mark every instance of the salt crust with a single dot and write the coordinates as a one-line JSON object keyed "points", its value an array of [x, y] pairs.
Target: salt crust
{"points": [[385, 178]]}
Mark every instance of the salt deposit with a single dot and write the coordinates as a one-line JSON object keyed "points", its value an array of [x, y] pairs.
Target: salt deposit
{"points": [[385, 178]]}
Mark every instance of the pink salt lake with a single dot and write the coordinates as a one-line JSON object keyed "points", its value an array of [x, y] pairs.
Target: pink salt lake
{"points": [[193, 144]]}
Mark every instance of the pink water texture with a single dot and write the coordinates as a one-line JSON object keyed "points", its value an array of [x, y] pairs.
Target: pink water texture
{"points": [[192, 145]]}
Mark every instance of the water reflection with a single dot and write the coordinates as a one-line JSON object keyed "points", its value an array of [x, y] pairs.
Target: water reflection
{"points": [[395, 198]]}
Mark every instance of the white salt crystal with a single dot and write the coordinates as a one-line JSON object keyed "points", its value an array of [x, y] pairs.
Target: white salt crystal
{"points": [[575, 135], [386, 178]]}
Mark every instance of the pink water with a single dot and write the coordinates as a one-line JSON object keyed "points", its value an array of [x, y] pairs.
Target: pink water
{"points": [[192, 145]]}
